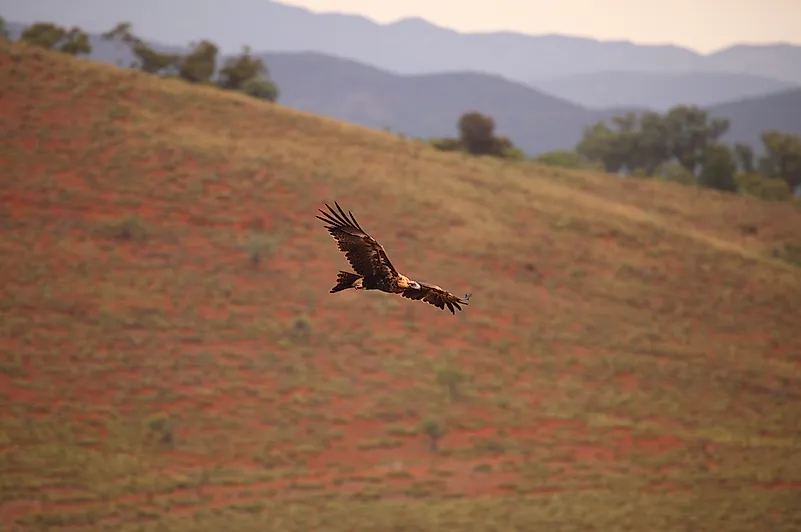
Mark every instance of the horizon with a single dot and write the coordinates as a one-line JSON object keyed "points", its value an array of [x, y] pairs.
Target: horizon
{"points": [[465, 23], [768, 23]]}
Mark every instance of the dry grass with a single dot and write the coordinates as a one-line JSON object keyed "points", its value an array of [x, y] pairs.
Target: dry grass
{"points": [[171, 358]]}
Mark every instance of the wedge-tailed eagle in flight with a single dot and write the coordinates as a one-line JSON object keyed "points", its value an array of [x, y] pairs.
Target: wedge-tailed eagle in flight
{"points": [[374, 270]]}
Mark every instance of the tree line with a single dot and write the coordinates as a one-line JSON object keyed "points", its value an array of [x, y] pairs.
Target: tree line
{"points": [[682, 145], [245, 72]]}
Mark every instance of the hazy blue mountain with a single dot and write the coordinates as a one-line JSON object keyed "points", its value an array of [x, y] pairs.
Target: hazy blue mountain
{"points": [[660, 91], [430, 105], [752, 116], [427, 105], [779, 60]]}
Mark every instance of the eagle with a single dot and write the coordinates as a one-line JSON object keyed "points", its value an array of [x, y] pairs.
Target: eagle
{"points": [[374, 270]]}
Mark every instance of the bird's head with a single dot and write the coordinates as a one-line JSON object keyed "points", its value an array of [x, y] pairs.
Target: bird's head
{"points": [[408, 283]]}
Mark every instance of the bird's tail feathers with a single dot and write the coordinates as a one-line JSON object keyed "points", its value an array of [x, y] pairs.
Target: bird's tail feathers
{"points": [[345, 280]]}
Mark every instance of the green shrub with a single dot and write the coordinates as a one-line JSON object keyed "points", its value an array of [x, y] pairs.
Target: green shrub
{"points": [[262, 88], [513, 153], [435, 430], [788, 252], [676, 173], [446, 144], [771, 189], [562, 158]]}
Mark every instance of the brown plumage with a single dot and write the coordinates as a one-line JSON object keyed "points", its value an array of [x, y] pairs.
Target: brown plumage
{"points": [[374, 270]]}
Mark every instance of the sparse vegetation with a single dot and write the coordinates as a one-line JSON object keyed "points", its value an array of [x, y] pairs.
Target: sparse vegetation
{"points": [[477, 137], [566, 159], [129, 228], [451, 379], [435, 429], [4, 35], [244, 72], [159, 426], [644, 377], [50, 36]]}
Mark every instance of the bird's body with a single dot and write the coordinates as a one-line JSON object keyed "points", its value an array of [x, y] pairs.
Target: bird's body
{"points": [[390, 284], [373, 269]]}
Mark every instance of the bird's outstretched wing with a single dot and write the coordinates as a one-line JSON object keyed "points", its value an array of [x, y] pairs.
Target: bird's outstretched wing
{"points": [[436, 296], [363, 252]]}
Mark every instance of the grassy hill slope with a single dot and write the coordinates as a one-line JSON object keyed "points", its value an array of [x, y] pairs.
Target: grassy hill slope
{"points": [[170, 356]]}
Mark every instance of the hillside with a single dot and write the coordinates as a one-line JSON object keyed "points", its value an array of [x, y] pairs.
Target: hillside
{"points": [[660, 91], [408, 46], [171, 357]]}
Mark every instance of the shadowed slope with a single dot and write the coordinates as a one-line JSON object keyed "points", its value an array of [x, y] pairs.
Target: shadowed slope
{"points": [[171, 355]]}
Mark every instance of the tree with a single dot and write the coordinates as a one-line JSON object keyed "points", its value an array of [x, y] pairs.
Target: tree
{"points": [[122, 31], [199, 65], [744, 156], [626, 141], [718, 168], [450, 379], [653, 143], [676, 173], [435, 430], [476, 132], [477, 137], [244, 72], [47, 35], [262, 88], [154, 62], [782, 157], [147, 59], [637, 144], [596, 145], [237, 70], [611, 148], [691, 130], [4, 35]]}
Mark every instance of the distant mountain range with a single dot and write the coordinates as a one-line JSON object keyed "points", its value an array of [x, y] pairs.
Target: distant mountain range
{"points": [[752, 116], [660, 91], [416, 78], [408, 46], [430, 105]]}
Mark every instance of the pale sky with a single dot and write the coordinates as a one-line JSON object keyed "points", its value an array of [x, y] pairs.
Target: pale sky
{"points": [[702, 25]]}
